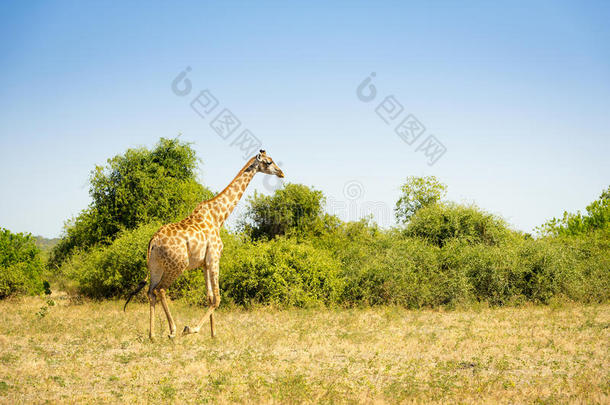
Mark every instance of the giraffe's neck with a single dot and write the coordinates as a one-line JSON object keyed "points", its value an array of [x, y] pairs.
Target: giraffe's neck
{"points": [[223, 204]]}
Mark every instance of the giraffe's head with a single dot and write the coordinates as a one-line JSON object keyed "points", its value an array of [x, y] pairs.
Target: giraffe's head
{"points": [[265, 164]]}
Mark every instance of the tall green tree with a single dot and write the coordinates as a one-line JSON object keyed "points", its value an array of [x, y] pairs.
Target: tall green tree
{"points": [[294, 209], [132, 189], [418, 192]]}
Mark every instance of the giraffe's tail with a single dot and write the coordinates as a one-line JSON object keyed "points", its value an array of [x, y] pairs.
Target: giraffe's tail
{"points": [[142, 283], [137, 290]]}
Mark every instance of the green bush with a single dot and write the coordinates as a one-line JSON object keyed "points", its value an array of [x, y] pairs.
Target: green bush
{"points": [[293, 210], [391, 268], [112, 270], [21, 266], [406, 273], [590, 254], [289, 253], [355, 246], [384, 267], [497, 274], [533, 270], [439, 223], [281, 272], [359, 264]]}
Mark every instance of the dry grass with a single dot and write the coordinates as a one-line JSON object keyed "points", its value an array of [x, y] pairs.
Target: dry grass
{"points": [[92, 352]]}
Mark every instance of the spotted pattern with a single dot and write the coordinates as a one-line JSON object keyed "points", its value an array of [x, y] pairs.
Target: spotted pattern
{"points": [[195, 241]]}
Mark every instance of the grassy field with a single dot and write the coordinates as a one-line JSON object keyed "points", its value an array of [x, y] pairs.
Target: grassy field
{"points": [[65, 351]]}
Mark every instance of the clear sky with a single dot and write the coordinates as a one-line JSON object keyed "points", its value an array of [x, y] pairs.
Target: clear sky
{"points": [[517, 92]]}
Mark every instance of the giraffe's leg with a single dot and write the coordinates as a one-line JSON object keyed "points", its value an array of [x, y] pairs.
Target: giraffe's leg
{"points": [[152, 298], [156, 272], [170, 320], [214, 298], [210, 293], [212, 324], [212, 271]]}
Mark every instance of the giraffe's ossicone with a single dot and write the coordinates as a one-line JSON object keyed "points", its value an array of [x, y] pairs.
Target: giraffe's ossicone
{"points": [[195, 242]]}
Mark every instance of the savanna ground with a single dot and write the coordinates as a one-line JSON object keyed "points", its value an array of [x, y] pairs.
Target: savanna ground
{"points": [[68, 351]]}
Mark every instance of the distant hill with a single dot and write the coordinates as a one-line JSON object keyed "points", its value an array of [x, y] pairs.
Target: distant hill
{"points": [[45, 244]]}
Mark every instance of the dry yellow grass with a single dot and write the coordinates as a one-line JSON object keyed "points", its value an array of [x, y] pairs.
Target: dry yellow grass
{"points": [[93, 352]]}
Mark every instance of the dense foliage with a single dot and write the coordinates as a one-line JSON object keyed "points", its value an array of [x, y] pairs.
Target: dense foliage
{"points": [[596, 218], [21, 266], [282, 272], [134, 189], [111, 270], [416, 193], [442, 222], [289, 252], [292, 209]]}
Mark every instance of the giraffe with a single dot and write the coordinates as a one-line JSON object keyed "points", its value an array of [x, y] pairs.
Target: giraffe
{"points": [[195, 242]]}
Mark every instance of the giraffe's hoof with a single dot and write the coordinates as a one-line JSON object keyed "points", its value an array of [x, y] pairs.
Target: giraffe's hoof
{"points": [[171, 336], [188, 331]]}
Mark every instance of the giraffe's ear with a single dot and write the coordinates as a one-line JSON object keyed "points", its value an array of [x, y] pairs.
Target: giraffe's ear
{"points": [[258, 157]]}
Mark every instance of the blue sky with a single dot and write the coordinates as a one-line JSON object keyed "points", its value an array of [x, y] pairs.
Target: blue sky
{"points": [[518, 94]]}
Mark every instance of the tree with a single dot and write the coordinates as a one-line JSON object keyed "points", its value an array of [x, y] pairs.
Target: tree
{"points": [[418, 192], [439, 223], [20, 264], [597, 218], [292, 209], [136, 188]]}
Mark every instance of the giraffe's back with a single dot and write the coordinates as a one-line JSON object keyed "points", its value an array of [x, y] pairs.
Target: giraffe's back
{"points": [[175, 248]]}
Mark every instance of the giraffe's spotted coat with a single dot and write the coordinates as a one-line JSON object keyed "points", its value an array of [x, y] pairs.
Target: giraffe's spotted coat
{"points": [[195, 242]]}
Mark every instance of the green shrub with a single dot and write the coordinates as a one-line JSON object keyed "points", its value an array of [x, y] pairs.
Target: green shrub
{"points": [[546, 270], [21, 266], [439, 223], [590, 255], [292, 254], [293, 210], [407, 273], [281, 272], [116, 269], [359, 264], [355, 246], [529, 270], [112, 270], [384, 267]]}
